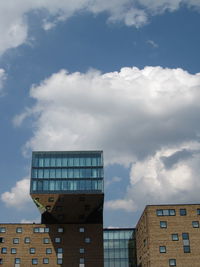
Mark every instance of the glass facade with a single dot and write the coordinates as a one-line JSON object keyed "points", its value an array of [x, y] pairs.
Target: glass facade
{"points": [[67, 171], [119, 248]]}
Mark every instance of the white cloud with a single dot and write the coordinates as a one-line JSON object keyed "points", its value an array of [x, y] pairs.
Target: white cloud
{"points": [[14, 23], [37, 220], [147, 119], [2, 80], [18, 196], [112, 180], [152, 43]]}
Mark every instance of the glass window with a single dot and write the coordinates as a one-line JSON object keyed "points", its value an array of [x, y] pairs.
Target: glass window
{"points": [[15, 240], [46, 173], [172, 262], [46, 229], [166, 212], [13, 250], [81, 229], [17, 260], [19, 230], [57, 240], [60, 230], [46, 240], [183, 212], [34, 261], [195, 224], [172, 212], [32, 250], [162, 249], [185, 236], [1, 261], [59, 261], [82, 260], [186, 249], [87, 240], [82, 250], [2, 229], [27, 240], [163, 224], [175, 237], [48, 251], [3, 250], [59, 250], [198, 211], [2, 240], [45, 260]]}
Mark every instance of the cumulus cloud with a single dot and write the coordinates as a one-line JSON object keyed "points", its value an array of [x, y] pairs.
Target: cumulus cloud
{"points": [[146, 119], [18, 197], [14, 23]]}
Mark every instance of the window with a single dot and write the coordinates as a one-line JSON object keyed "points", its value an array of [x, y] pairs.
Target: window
{"points": [[59, 261], [183, 212], [1, 261], [41, 230], [185, 236], [13, 250], [175, 237], [172, 262], [17, 260], [48, 250], [45, 260], [162, 249], [32, 250], [15, 240], [198, 211], [59, 250], [195, 224], [34, 261], [46, 240], [166, 212], [186, 249], [163, 224], [60, 230], [57, 240], [18, 230], [81, 229], [2, 240], [82, 250], [2, 229], [87, 240], [27, 240], [82, 260], [3, 250]]}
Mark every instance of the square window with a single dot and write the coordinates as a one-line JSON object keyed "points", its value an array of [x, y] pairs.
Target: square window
{"points": [[34, 261], [172, 262], [59, 250], [46, 230], [59, 261], [32, 250], [57, 240], [198, 211], [13, 250], [3, 250], [48, 250], [172, 212], [17, 260], [162, 249], [185, 236], [82, 250], [45, 260], [186, 249], [82, 260], [19, 230], [2, 229], [175, 237], [183, 212], [36, 230], [87, 240], [27, 240], [166, 212], [186, 242], [15, 240], [2, 240], [81, 229], [195, 224], [60, 230], [45, 240], [159, 212], [163, 224]]}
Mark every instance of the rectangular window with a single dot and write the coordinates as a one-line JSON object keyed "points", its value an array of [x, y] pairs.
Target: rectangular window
{"points": [[48, 251], [17, 260], [27, 240], [166, 212], [172, 262], [45, 260], [195, 224], [2, 229], [1, 261], [59, 250], [13, 251], [45, 240], [15, 240], [2, 240], [81, 229], [3, 250], [82, 260], [185, 236], [162, 249], [183, 212], [19, 230], [198, 211], [87, 240], [59, 261], [82, 250], [34, 261], [186, 249], [60, 230], [57, 240], [175, 237], [163, 224], [32, 250]]}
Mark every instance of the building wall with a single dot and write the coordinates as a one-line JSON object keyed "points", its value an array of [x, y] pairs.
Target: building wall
{"points": [[75, 248], [155, 247]]}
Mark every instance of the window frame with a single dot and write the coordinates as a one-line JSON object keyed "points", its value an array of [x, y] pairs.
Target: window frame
{"points": [[173, 239], [186, 249], [36, 261], [164, 249], [163, 224], [183, 212], [171, 264], [195, 224]]}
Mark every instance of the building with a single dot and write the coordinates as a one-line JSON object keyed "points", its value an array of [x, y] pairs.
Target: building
{"points": [[67, 188], [169, 235]]}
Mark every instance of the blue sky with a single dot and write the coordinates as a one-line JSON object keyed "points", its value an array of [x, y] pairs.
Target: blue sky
{"points": [[122, 77]]}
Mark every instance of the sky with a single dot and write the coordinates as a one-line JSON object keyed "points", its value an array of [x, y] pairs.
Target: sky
{"points": [[122, 76]]}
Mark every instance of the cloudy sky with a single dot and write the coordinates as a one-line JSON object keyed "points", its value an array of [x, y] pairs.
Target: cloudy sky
{"points": [[118, 75]]}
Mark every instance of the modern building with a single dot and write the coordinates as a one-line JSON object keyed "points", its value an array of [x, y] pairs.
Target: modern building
{"points": [[169, 235]]}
